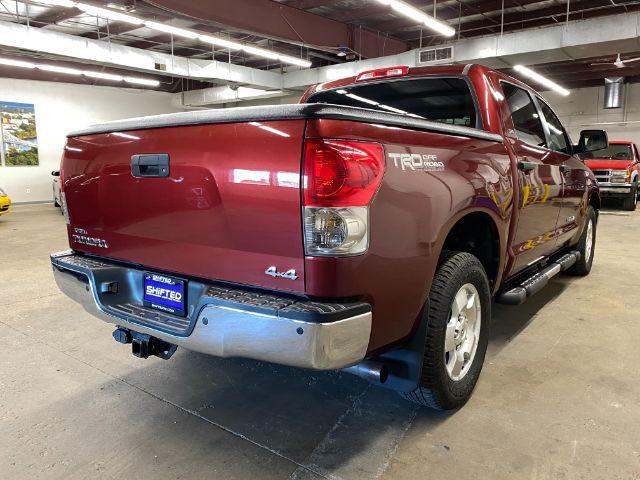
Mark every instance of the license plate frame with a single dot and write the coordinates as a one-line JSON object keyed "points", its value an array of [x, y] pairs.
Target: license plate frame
{"points": [[160, 292]]}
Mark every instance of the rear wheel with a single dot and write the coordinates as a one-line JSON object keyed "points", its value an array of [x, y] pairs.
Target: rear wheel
{"points": [[457, 333], [586, 245]]}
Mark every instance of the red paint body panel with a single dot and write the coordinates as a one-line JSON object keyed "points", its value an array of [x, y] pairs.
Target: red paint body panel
{"points": [[229, 210], [410, 217]]}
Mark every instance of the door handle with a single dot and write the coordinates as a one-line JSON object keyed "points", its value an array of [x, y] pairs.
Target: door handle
{"points": [[525, 165], [154, 165]]}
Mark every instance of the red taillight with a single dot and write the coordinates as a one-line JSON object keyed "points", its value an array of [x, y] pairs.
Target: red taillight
{"points": [[382, 73], [340, 173]]}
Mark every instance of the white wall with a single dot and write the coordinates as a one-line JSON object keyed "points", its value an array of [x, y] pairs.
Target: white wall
{"points": [[60, 108], [583, 107]]}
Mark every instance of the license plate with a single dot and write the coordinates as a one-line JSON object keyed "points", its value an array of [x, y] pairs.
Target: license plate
{"points": [[166, 294]]}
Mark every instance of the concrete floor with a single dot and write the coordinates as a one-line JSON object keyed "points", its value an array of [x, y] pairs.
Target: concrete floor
{"points": [[558, 397]]}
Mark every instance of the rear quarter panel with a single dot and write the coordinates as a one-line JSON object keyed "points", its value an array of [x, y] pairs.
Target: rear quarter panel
{"points": [[410, 218]]}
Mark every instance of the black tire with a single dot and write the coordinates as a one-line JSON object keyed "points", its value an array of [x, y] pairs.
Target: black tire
{"points": [[583, 266], [437, 389], [631, 199]]}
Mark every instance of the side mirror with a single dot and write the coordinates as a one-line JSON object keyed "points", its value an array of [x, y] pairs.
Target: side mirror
{"points": [[592, 140], [56, 173]]}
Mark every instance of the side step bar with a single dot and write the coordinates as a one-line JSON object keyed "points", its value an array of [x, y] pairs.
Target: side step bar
{"points": [[532, 285]]}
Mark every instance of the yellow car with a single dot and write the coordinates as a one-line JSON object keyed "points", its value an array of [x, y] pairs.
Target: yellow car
{"points": [[5, 202]]}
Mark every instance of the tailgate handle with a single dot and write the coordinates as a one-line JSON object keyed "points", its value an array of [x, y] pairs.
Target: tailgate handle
{"points": [[151, 165]]}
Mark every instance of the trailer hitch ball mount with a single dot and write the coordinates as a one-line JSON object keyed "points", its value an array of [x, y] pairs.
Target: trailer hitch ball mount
{"points": [[143, 345]]}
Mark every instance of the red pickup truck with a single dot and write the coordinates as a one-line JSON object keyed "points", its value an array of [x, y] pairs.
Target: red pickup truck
{"points": [[616, 168], [367, 228]]}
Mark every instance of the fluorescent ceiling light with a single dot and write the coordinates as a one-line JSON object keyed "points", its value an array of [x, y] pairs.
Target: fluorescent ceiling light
{"points": [[103, 76], [260, 52], [300, 62], [73, 71], [419, 16], [249, 92], [110, 14], [58, 69], [179, 32], [527, 72], [220, 42], [257, 51], [16, 63], [142, 81]]}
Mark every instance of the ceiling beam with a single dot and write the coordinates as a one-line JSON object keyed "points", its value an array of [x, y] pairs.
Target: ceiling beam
{"points": [[97, 52], [282, 22], [54, 15], [374, 10], [523, 18], [309, 4], [486, 8], [114, 28], [552, 43]]}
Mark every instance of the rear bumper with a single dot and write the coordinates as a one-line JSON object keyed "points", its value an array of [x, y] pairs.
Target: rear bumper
{"points": [[222, 321], [607, 188]]}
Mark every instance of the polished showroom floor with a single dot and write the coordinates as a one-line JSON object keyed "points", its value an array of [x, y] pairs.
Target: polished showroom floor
{"points": [[558, 397]]}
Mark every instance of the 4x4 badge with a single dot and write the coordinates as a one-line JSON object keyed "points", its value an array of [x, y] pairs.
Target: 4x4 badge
{"points": [[273, 272]]}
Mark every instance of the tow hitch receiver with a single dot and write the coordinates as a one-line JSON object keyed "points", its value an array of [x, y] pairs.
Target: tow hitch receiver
{"points": [[142, 345]]}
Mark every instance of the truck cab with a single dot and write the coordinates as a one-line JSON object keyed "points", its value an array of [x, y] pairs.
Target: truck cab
{"points": [[616, 168]]}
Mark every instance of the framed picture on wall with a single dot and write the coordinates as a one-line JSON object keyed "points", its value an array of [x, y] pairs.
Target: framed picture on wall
{"points": [[19, 138]]}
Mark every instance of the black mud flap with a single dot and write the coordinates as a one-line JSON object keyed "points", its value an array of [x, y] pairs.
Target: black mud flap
{"points": [[404, 365]]}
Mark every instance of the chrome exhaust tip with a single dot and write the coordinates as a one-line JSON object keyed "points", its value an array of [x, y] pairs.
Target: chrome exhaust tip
{"points": [[370, 370]]}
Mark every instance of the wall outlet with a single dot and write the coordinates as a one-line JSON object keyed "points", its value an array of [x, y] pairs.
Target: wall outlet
{"points": [[28, 190]]}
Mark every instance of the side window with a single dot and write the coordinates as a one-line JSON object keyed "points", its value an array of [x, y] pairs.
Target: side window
{"points": [[524, 115], [557, 136]]}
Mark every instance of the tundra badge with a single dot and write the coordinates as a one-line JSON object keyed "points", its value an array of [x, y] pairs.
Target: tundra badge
{"points": [[273, 272], [80, 236]]}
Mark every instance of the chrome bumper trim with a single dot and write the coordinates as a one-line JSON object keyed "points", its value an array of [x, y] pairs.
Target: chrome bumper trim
{"points": [[222, 329], [615, 187]]}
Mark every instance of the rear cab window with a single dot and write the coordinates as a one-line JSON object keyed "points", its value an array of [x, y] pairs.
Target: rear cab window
{"points": [[444, 100]]}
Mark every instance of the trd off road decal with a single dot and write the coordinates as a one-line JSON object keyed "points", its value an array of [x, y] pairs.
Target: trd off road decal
{"points": [[416, 162]]}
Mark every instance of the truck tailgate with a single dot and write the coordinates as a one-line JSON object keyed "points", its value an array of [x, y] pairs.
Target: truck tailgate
{"points": [[228, 210]]}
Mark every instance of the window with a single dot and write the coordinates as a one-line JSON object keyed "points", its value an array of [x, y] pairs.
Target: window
{"points": [[445, 100], [558, 139], [524, 115], [615, 151]]}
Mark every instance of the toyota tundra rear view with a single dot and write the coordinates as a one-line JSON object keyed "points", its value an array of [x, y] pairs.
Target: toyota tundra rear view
{"points": [[367, 228]]}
